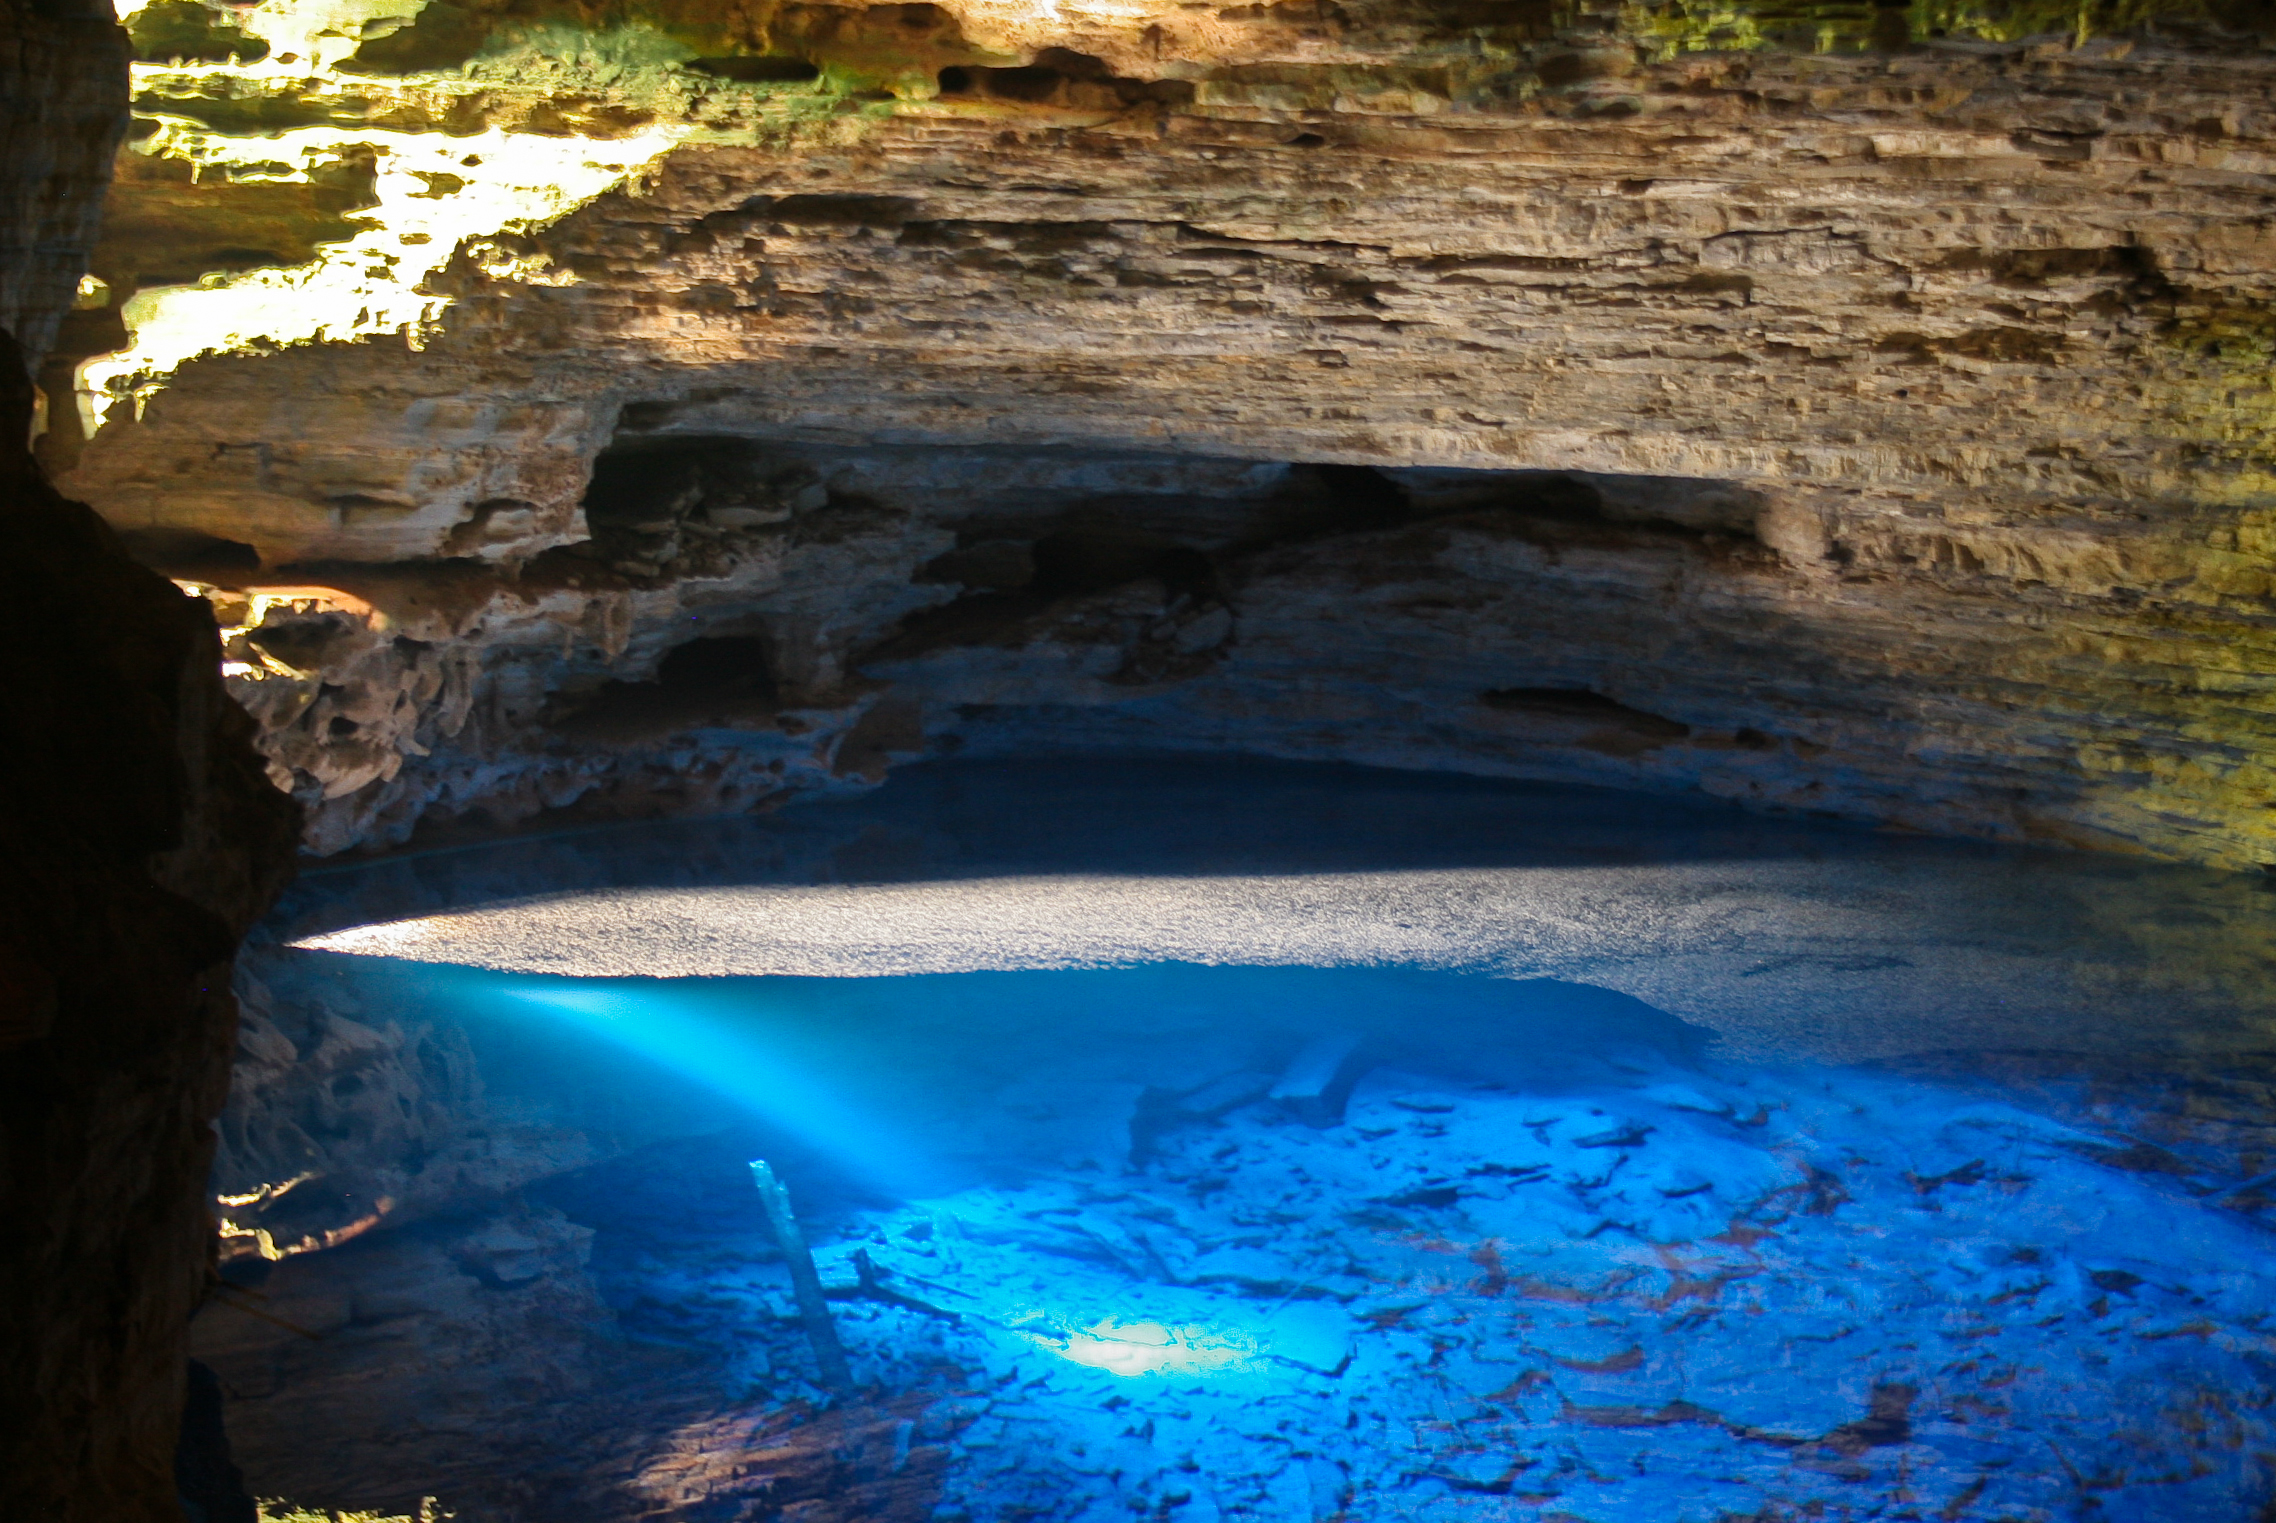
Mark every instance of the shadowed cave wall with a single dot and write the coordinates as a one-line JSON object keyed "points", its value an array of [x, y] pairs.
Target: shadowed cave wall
{"points": [[140, 841]]}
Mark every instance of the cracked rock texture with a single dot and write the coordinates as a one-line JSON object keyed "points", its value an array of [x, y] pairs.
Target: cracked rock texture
{"points": [[1862, 411]]}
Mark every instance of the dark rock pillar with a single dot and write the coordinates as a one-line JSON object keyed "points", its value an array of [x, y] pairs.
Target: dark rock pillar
{"points": [[138, 839]]}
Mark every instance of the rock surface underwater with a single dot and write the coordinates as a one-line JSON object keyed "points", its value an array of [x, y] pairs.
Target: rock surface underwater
{"points": [[1440, 1229]]}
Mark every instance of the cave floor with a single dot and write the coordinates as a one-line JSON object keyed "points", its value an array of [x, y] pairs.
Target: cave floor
{"points": [[1689, 1293], [1560, 1236]]}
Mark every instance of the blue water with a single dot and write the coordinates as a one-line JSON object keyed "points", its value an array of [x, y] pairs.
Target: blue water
{"points": [[1551, 1256], [1543, 1249]]}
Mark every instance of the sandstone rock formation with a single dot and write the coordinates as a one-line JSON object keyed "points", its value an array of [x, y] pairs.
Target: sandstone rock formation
{"points": [[1852, 409], [140, 841]]}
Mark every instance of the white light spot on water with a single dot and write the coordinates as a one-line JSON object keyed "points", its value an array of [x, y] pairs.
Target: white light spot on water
{"points": [[1147, 1348]]}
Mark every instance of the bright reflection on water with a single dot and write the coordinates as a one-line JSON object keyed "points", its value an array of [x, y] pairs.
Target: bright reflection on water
{"points": [[1729, 1218]]}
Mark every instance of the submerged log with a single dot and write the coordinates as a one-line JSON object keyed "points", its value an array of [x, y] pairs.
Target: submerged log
{"points": [[805, 1282], [1318, 1080]]}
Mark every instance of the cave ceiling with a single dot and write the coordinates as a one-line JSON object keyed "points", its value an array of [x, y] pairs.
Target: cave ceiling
{"points": [[1853, 408]]}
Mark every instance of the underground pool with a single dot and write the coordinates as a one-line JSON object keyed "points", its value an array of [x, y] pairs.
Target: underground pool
{"points": [[1204, 1140]]}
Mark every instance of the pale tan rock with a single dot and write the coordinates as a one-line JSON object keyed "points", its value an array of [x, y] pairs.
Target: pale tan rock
{"points": [[1956, 353]]}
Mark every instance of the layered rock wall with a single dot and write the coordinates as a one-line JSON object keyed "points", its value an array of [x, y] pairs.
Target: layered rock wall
{"points": [[1865, 411]]}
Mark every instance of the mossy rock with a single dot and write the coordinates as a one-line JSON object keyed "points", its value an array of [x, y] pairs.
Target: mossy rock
{"points": [[169, 29]]}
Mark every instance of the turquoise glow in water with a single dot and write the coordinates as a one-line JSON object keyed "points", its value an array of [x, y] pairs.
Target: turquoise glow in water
{"points": [[1674, 1168], [1551, 1254], [675, 1032]]}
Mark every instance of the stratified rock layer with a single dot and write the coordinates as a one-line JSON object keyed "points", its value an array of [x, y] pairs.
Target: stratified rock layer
{"points": [[1882, 430]]}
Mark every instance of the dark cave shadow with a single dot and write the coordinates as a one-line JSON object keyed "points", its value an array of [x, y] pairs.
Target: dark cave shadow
{"points": [[1170, 814]]}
